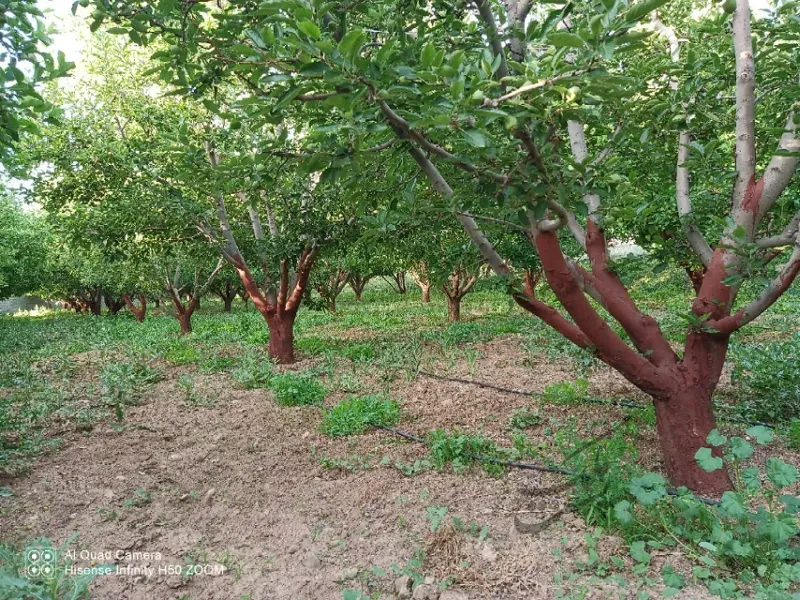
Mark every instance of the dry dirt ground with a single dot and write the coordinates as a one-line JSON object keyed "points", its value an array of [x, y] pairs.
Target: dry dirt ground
{"points": [[244, 485]]}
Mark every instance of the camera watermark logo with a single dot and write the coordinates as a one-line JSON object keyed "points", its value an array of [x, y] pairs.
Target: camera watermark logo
{"points": [[40, 562]]}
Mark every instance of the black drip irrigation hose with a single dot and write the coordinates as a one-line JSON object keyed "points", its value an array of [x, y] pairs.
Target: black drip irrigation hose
{"points": [[620, 403], [526, 465]]}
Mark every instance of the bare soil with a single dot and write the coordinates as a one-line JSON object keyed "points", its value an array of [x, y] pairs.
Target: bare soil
{"points": [[244, 485]]}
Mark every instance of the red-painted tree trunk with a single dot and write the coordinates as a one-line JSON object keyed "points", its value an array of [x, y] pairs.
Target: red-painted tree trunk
{"points": [[281, 337], [184, 314], [279, 306], [140, 311], [684, 420]]}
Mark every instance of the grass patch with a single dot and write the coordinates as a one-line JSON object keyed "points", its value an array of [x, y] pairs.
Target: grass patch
{"points": [[356, 414], [293, 389]]}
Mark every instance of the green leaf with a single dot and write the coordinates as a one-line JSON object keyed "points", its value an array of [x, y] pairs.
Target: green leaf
{"points": [[427, 56], [475, 137], [740, 449], [622, 512], [351, 44], [648, 489], [792, 503], [310, 29], [707, 461], [715, 438], [777, 528], [288, 96], [562, 39], [751, 477], [731, 505], [671, 578], [638, 552], [762, 435], [642, 9], [780, 473]]}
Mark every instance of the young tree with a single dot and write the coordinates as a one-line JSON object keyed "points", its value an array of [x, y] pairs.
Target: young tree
{"points": [[329, 279], [186, 281], [227, 286]]}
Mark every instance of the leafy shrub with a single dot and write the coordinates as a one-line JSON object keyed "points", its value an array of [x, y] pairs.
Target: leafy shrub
{"points": [[770, 376], [603, 467], [793, 434], [744, 543], [297, 389], [356, 414], [254, 371]]}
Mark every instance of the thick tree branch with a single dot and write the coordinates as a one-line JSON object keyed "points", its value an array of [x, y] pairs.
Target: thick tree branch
{"points": [[781, 168], [765, 299], [745, 107], [696, 239], [485, 11]]}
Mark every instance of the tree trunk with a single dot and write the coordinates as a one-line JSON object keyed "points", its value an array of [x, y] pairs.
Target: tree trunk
{"points": [[281, 337], [185, 319], [332, 305], [400, 279], [358, 294], [683, 422], [95, 306], [139, 312], [228, 304], [454, 308], [426, 292]]}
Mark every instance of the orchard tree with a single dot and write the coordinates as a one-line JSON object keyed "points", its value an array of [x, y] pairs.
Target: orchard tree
{"points": [[187, 277], [24, 63], [523, 104], [227, 286], [23, 248], [329, 280]]}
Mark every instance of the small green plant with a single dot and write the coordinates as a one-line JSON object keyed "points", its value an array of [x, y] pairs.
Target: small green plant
{"points": [[415, 468], [297, 389], [462, 450], [140, 498], [191, 395], [567, 392], [357, 413], [350, 464], [123, 382], [524, 418], [254, 371]]}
